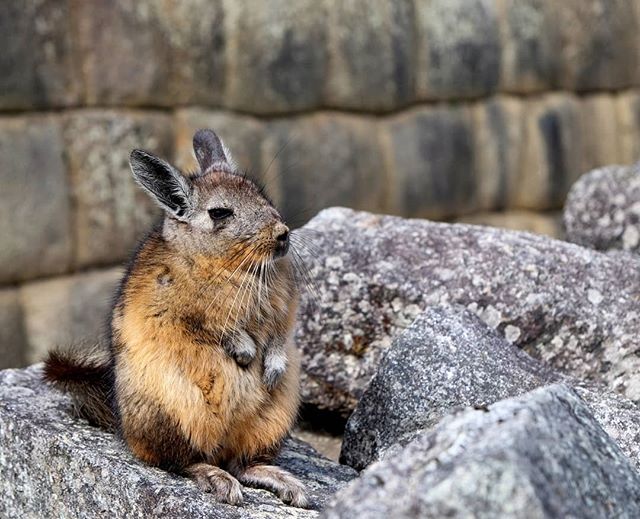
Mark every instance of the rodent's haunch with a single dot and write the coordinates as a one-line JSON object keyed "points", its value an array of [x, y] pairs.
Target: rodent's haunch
{"points": [[200, 375]]}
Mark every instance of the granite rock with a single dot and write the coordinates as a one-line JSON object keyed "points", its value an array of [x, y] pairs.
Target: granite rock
{"points": [[540, 455], [602, 210], [52, 464], [447, 359], [577, 310]]}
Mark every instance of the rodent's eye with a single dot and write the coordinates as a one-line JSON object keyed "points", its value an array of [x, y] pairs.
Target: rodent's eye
{"points": [[220, 213]]}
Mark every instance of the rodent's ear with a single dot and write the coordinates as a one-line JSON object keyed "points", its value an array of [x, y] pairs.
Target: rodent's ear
{"points": [[166, 185], [211, 153]]}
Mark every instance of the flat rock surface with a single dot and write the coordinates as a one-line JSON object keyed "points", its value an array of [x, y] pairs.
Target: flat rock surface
{"points": [[449, 359], [541, 455], [54, 465], [602, 210], [576, 309]]}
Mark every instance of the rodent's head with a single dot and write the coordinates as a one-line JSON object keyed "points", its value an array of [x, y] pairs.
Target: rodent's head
{"points": [[216, 211]]}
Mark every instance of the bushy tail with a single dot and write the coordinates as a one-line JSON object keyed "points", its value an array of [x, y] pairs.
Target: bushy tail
{"points": [[86, 374]]}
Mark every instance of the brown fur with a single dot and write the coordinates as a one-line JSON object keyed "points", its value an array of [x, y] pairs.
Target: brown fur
{"points": [[168, 345], [185, 396]]}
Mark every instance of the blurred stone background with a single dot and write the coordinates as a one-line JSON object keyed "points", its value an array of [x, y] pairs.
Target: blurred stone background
{"points": [[475, 110]]}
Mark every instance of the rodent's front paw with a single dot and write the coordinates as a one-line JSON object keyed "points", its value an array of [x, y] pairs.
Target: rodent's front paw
{"points": [[275, 364], [241, 347]]}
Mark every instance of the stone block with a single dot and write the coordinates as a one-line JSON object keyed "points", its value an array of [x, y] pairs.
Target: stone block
{"points": [[243, 135], [277, 53], [553, 152], [39, 60], [498, 134], [67, 310], [149, 53], [628, 127], [530, 40], [35, 214], [599, 42], [13, 341], [322, 160], [599, 129], [431, 153], [370, 54], [458, 49], [111, 212]]}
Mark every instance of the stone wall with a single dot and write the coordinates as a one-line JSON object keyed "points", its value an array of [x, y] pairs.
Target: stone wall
{"points": [[446, 109]]}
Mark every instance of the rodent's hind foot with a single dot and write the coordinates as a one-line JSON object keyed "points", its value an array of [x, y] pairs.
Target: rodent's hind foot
{"points": [[220, 483], [277, 480]]}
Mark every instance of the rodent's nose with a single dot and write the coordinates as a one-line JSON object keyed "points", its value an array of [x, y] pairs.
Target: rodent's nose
{"points": [[283, 236]]}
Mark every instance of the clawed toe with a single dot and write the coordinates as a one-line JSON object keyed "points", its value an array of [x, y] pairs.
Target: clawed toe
{"points": [[221, 484]]}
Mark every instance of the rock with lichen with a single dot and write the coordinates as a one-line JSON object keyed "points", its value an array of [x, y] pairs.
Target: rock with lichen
{"points": [[540, 455], [449, 359], [602, 210], [576, 309], [55, 465]]}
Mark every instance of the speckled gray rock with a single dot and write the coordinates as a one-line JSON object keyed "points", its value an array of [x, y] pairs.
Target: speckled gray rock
{"points": [[448, 358], [576, 309], [602, 210], [53, 465], [541, 455]]}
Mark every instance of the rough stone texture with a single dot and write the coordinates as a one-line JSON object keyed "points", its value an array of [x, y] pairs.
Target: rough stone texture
{"points": [[35, 211], [152, 53], [498, 139], [530, 40], [574, 308], [431, 152], [552, 152], [628, 129], [242, 135], [542, 455], [67, 310], [13, 341], [38, 62], [548, 224], [277, 55], [370, 54], [322, 160], [52, 464], [458, 49], [448, 358], [591, 33], [603, 209], [111, 212]]}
